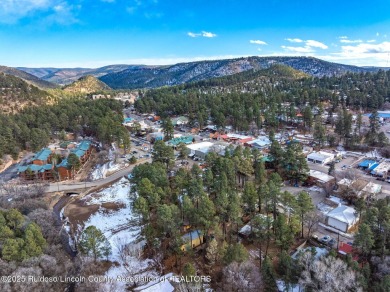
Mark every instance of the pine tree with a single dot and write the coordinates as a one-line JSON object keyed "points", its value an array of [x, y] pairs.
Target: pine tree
{"points": [[305, 205], [268, 274], [364, 239], [93, 242], [212, 253]]}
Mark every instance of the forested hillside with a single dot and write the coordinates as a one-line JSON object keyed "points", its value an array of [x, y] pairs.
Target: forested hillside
{"points": [[27, 77], [15, 94], [33, 127], [152, 77], [265, 96], [87, 84]]}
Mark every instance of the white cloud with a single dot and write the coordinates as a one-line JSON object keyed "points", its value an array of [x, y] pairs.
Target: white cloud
{"points": [[304, 50], [366, 48], [346, 41], [307, 48], [343, 37], [56, 11], [371, 41], [204, 34], [207, 34], [11, 11], [294, 40], [316, 44], [193, 35], [363, 54], [258, 42]]}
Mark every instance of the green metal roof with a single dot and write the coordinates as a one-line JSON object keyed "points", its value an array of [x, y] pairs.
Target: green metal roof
{"points": [[178, 140], [43, 154], [78, 152], [84, 145], [267, 158], [64, 163]]}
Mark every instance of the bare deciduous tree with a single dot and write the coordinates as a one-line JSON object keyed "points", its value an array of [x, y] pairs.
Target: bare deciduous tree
{"points": [[311, 221], [327, 274], [241, 277]]}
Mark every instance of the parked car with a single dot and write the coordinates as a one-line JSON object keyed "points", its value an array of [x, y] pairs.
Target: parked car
{"points": [[325, 239]]}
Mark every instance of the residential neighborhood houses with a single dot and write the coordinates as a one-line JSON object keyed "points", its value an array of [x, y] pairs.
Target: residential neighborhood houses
{"points": [[334, 179]]}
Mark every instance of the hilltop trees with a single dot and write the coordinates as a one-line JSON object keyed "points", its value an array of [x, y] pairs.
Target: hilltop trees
{"points": [[32, 127]]}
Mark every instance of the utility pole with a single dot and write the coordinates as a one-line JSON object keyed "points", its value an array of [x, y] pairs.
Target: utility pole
{"points": [[338, 240]]}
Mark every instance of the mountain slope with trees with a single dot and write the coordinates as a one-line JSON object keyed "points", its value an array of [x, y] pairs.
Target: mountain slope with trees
{"points": [[16, 94], [252, 99], [29, 78], [87, 84], [151, 77], [64, 76]]}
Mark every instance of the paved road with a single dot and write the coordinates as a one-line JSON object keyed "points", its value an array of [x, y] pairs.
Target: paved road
{"points": [[69, 186]]}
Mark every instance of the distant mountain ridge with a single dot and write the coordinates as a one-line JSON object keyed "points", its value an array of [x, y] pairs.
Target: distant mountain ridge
{"points": [[142, 76], [196, 71], [29, 78], [65, 76]]}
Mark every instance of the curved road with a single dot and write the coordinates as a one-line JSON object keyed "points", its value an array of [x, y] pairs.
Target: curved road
{"points": [[69, 186]]}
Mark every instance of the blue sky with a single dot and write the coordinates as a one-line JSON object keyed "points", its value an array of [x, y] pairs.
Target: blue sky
{"points": [[94, 33]]}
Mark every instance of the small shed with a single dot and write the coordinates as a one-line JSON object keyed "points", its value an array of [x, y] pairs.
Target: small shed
{"points": [[192, 240], [342, 218]]}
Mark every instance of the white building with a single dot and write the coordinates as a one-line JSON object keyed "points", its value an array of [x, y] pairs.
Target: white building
{"points": [[342, 218], [320, 157], [260, 143], [320, 177]]}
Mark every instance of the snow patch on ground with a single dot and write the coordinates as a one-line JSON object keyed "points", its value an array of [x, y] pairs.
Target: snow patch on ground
{"points": [[101, 171], [122, 228]]}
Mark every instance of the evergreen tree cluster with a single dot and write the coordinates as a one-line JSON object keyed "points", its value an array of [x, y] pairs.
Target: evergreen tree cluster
{"points": [[33, 127], [258, 97], [19, 240]]}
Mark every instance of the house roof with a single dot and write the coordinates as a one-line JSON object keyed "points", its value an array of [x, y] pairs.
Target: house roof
{"points": [[345, 248], [373, 166], [382, 168], [64, 163], [78, 152], [178, 140], [372, 188], [84, 145], [193, 234], [320, 156], [343, 214], [245, 140], [200, 145], [35, 168], [43, 154], [366, 163], [320, 176]]}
